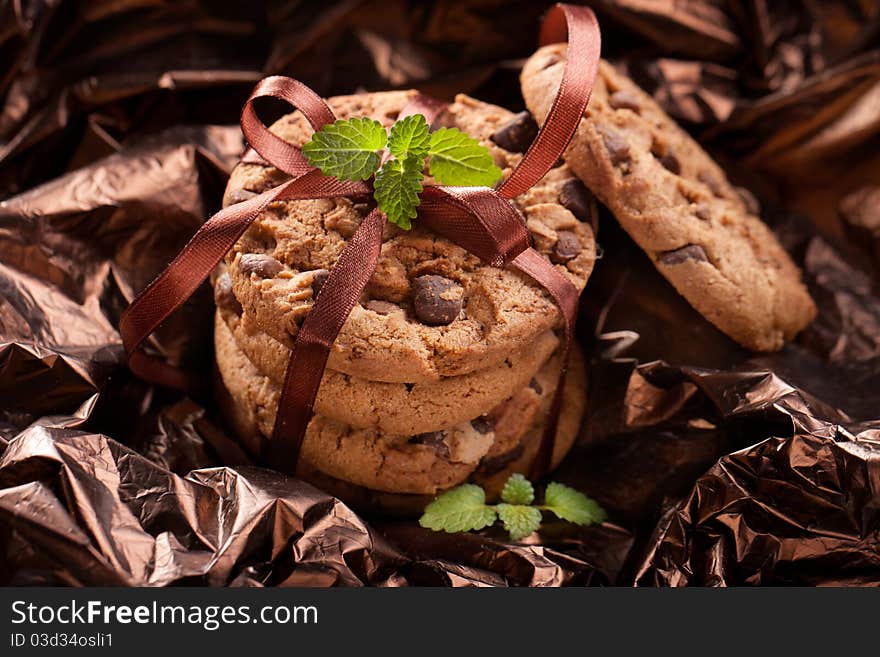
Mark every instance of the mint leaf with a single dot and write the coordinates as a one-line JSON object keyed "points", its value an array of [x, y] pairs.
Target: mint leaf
{"points": [[347, 150], [459, 510], [519, 520], [458, 159], [397, 189], [572, 505], [518, 490], [409, 136]]}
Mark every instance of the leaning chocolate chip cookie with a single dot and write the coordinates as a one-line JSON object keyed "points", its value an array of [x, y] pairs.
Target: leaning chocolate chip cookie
{"points": [[418, 464], [431, 309], [402, 408], [677, 204]]}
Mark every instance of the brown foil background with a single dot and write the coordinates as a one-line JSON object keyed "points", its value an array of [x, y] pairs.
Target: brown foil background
{"points": [[717, 466]]}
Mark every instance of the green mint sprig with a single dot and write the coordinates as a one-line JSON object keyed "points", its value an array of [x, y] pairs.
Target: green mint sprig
{"points": [[348, 150], [464, 508], [352, 150], [458, 159]]}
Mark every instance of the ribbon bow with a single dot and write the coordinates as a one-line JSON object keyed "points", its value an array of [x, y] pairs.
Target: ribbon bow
{"points": [[479, 219]]}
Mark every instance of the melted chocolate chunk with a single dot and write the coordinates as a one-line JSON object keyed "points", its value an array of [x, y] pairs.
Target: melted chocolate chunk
{"points": [[567, 247], [624, 100], [578, 200], [437, 300], [264, 266], [534, 385], [434, 440], [615, 144], [517, 134], [223, 296], [483, 424], [678, 256], [319, 277], [381, 307], [670, 162], [240, 195], [492, 464]]}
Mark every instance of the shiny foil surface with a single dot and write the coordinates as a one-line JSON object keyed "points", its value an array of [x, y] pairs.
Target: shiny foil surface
{"points": [[717, 466]]}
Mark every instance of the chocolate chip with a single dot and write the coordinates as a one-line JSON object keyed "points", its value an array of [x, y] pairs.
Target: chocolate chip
{"points": [[517, 134], [567, 247], [483, 424], [262, 265], [751, 203], [678, 256], [492, 464], [702, 212], [578, 200], [319, 277], [240, 195], [437, 300], [534, 385], [624, 100], [709, 181], [223, 296], [434, 440], [381, 307], [615, 144], [670, 162]]}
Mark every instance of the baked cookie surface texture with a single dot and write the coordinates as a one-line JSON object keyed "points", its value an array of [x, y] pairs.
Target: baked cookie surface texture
{"points": [[678, 206]]}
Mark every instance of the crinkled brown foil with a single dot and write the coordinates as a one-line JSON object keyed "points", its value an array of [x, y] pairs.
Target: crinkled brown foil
{"points": [[717, 466]]}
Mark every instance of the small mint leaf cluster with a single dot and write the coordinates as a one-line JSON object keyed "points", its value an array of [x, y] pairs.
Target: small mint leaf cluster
{"points": [[464, 508], [351, 149]]}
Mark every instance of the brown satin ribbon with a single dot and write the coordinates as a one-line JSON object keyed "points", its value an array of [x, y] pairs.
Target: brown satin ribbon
{"points": [[479, 219]]}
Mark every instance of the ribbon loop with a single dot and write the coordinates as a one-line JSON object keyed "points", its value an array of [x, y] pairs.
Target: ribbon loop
{"points": [[581, 65], [272, 148]]}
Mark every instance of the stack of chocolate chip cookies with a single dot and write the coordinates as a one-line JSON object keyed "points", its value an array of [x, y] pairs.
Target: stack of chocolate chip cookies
{"points": [[444, 372]]}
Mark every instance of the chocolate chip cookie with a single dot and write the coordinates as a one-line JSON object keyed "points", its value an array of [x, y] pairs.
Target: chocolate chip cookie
{"points": [[506, 456], [431, 309], [416, 464], [398, 408], [677, 204]]}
